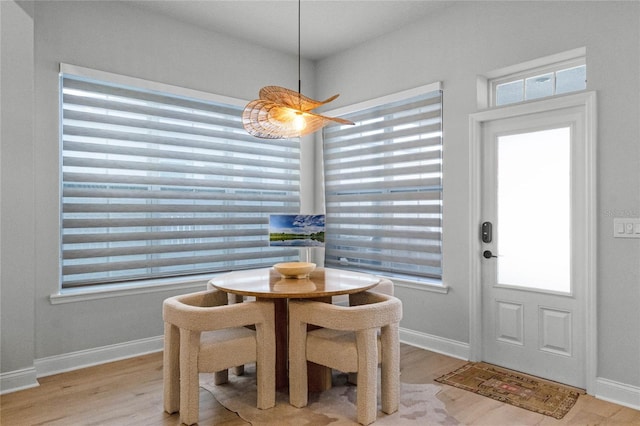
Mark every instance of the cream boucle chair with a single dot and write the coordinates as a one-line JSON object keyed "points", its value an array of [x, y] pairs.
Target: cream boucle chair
{"points": [[349, 341], [385, 286], [221, 376], [204, 334]]}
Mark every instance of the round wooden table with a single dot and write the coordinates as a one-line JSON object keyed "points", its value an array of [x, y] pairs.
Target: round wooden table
{"points": [[267, 283]]}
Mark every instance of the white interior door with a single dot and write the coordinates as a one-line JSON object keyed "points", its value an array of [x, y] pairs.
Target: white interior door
{"points": [[534, 261]]}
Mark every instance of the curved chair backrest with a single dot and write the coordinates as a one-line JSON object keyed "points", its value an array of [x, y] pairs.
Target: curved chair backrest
{"points": [[367, 310], [232, 298], [385, 286], [348, 340], [208, 310], [186, 352]]}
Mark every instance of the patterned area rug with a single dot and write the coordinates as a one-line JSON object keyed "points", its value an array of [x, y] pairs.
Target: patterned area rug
{"points": [[336, 406], [520, 390]]}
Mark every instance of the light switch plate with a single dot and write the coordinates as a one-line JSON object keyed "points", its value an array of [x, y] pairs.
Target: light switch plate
{"points": [[626, 227]]}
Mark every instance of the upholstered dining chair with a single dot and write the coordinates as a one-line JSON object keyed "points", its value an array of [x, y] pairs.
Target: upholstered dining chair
{"points": [[203, 333], [238, 370], [385, 286], [355, 338]]}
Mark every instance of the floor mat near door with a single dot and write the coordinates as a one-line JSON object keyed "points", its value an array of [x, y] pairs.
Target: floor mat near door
{"points": [[518, 389]]}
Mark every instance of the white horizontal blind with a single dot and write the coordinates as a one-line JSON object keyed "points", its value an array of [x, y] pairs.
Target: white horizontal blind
{"points": [[158, 185], [383, 183]]}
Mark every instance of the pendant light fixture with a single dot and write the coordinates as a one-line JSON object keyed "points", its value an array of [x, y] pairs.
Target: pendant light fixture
{"points": [[281, 113]]}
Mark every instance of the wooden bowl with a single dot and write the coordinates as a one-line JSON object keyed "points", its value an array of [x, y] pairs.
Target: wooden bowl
{"points": [[295, 269]]}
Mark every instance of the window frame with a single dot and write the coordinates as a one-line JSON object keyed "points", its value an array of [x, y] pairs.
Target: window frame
{"points": [[179, 92], [544, 65], [418, 282], [524, 75]]}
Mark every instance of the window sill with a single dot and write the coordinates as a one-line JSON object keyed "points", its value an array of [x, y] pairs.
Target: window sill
{"points": [[434, 286], [121, 290], [192, 284]]}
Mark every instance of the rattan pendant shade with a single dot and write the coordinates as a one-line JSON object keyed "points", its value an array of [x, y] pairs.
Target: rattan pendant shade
{"points": [[282, 113]]}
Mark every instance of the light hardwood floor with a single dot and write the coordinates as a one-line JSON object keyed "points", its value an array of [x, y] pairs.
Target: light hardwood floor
{"points": [[129, 392]]}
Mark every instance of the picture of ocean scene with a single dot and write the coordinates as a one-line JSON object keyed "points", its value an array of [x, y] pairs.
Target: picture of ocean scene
{"points": [[296, 230]]}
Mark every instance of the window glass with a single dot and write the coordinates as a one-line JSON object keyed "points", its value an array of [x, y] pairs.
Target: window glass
{"points": [[529, 201], [568, 76], [539, 86], [158, 185], [383, 184], [571, 80], [509, 93]]}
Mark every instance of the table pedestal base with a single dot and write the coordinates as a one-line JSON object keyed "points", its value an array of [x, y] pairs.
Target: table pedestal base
{"points": [[267, 284], [319, 377], [282, 343]]}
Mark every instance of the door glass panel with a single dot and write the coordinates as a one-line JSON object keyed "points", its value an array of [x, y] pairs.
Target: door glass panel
{"points": [[534, 200]]}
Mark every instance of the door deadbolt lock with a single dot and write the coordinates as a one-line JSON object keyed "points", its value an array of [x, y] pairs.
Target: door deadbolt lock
{"points": [[487, 254], [486, 232]]}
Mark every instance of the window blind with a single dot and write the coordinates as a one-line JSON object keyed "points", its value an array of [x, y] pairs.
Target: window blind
{"points": [[383, 184], [158, 185]]}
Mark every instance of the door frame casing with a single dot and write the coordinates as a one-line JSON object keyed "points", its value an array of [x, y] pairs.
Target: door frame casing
{"points": [[587, 101]]}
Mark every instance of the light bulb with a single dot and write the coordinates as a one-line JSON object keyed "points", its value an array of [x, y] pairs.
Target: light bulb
{"points": [[299, 123]]}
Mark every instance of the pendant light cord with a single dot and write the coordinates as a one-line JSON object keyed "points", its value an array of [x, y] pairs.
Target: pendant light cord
{"points": [[299, 60], [299, 78]]}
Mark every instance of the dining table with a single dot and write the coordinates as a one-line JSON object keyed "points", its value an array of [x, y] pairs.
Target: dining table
{"points": [[268, 284]]}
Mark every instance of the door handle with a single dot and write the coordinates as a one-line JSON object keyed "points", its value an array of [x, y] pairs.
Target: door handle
{"points": [[487, 254]]}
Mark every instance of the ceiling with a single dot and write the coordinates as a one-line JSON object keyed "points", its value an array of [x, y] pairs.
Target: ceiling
{"points": [[327, 26]]}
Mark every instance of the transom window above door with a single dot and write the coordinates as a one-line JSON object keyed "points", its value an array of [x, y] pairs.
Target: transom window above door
{"points": [[540, 78]]}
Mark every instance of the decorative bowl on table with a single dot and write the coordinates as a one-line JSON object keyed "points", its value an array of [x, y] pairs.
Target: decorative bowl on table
{"points": [[294, 269]]}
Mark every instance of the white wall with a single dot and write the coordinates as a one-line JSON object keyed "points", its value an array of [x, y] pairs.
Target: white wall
{"points": [[471, 39], [465, 40], [17, 248], [118, 38]]}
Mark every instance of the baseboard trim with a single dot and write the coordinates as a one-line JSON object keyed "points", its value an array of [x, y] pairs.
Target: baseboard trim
{"points": [[90, 357], [618, 393], [441, 345], [607, 390], [16, 380]]}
